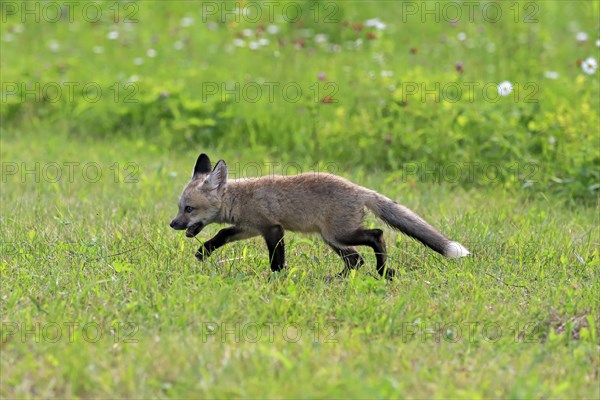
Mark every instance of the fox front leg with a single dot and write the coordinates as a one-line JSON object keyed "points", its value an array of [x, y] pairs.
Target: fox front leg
{"points": [[274, 237], [224, 236]]}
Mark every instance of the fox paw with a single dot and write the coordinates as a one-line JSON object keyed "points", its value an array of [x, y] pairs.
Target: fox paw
{"points": [[390, 274], [202, 254]]}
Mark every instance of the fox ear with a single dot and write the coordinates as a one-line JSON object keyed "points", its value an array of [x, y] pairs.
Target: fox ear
{"points": [[202, 166], [217, 178]]}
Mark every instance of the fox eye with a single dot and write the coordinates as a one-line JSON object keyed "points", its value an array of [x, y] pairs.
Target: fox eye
{"points": [[188, 209]]}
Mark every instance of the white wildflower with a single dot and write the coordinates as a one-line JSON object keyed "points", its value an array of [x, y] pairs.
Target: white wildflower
{"points": [[505, 88], [112, 35], [320, 38], [589, 65], [54, 46], [151, 53], [187, 21], [581, 36], [376, 23]]}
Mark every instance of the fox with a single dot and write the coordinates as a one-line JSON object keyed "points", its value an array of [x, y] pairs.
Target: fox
{"points": [[318, 203]]}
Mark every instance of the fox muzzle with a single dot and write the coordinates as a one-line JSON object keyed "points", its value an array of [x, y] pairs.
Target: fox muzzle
{"points": [[178, 225]]}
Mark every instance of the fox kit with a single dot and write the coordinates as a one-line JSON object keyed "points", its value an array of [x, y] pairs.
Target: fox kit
{"points": [[313, 202]]}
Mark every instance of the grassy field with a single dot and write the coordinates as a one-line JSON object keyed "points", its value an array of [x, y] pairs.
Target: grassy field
{"points": [[100, 298]]}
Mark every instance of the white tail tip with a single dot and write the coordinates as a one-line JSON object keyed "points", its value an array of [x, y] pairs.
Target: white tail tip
{"points": [[456, 250]]}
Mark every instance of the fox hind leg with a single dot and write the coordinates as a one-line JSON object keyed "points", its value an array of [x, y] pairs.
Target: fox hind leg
{"points": [[374, 239], [351, 256]]}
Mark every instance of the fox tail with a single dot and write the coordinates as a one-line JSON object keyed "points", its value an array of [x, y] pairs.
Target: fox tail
{"points": [[409, 223]]}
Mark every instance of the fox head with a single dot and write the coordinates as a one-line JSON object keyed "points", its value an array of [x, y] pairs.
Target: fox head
{"points": [[202, 199]]}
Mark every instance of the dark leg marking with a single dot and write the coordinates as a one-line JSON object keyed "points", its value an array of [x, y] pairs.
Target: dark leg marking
{"points": [[374, 239], [224, 236], [274, 238], [351, 256]]}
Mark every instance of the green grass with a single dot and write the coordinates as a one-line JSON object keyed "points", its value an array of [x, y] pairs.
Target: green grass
{"points": [[102, 254], [86, 254]]}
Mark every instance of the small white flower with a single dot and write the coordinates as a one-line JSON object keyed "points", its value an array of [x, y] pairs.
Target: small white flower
{"points": [[138, 61], [187, 21], [98, 49], [581, 36], [376, 23], [253, 45], [272, 29], [387, 74], [247, 32], [239, 42], [551, 74], [151, 53], [178, 45], [462, 36], [133, 78], [263, 41], [112, 35], [589, 65], [320, 38], [505, 88], [551, 140], [54, 46], [598, 43]]}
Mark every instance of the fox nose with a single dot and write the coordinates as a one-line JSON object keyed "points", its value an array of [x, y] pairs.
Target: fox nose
{"points": [[173, 224]]}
